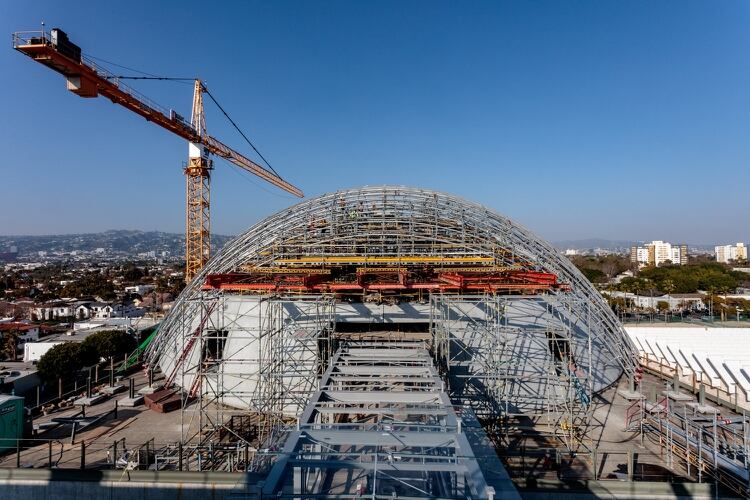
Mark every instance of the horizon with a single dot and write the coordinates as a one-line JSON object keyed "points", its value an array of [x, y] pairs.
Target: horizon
{"points": [[177, 233], [622, 120]]}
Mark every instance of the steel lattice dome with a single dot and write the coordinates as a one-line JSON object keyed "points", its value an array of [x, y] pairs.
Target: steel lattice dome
{"points": [[512, 331]]}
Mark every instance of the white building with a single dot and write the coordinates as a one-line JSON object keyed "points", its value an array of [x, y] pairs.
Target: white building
{"points": [[642, 255], [33, 351], [49, 311], [139, 289], [658, 253], [676, 302], [88, 310], [726, 253], [25, 332], [716, 357]]}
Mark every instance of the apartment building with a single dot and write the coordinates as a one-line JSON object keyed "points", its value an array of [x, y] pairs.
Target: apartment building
{"points": [[658, 253], [726, 253]]}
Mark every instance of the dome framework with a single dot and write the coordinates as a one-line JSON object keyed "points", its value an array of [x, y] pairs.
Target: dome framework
{"points": [[514, 327]]}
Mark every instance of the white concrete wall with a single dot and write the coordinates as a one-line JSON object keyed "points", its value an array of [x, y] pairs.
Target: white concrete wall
{"points": [[33, 351]]}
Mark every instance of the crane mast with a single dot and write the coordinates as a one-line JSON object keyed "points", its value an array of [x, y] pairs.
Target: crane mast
{"points": [[86, 79], [197, 193]]}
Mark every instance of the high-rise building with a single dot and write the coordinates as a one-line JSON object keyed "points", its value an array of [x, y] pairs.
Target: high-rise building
{"points": [[726, 253], [658, 253], [683, 255]]}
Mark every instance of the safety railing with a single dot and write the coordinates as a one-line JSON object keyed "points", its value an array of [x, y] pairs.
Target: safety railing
{"points": [[33, 37], [595, 465], [120, 454]]}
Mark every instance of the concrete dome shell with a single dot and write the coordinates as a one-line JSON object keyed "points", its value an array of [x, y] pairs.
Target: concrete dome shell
{"points": [[408, 222]]}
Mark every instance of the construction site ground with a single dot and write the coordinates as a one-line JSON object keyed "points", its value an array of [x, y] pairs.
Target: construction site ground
{"points": [[531, 455], [132, 428], [528, 456]]}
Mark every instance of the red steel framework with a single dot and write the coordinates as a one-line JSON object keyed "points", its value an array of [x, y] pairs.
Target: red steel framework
{"points": [[385, 279]]}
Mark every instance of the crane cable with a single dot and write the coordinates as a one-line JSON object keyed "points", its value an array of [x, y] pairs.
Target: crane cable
{"points": [[126, 77], [150, 76], [205, 89]]}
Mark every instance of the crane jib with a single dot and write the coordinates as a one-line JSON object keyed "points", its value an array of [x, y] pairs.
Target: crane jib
{"points": [[86, 79]]}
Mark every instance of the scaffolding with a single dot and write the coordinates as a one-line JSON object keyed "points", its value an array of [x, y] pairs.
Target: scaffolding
{"points": [[517, 329], [262, 359], [695, 439], [381, 425], [504, 371], [398, 227]]}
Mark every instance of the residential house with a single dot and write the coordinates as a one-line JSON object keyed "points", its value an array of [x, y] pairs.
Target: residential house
{"points": [[26, 332]]}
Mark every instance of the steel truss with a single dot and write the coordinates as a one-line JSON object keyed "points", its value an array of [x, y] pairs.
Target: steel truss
{"points": [[393, 226]]}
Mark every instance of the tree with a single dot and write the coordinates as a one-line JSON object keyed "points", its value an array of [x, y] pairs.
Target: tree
{"points": [[601, 268], [634, 285], [594, 275], [64, 360], [668, 286], [10, 345], [662, 306], [109, 343], [131, 272], [685, 279]]}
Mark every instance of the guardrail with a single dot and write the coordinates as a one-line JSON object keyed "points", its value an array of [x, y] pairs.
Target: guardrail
{"points": [[118, 454]]}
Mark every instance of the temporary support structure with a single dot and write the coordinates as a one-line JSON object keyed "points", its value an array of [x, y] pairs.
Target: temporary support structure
{"points": [[516, 330], [400, 227], [381, 424], [265, 358], [504, 365]]}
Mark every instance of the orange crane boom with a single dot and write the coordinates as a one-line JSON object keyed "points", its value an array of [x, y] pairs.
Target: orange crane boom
{"points": [[86, 79]]}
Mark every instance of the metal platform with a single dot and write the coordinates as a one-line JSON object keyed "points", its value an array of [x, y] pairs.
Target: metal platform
{"points": [[382, 424]]}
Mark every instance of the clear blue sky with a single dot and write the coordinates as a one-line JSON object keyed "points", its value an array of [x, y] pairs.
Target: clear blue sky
{"points": [[621, 120]]}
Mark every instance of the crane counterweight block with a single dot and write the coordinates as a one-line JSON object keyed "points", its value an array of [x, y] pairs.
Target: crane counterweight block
{"points": [[82, 86]]}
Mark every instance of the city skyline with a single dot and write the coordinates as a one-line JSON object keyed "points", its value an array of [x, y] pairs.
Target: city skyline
{"points": [[624, 120]]}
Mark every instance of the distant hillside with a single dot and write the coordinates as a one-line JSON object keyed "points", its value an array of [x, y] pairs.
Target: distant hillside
{"points": [[114, 241]]}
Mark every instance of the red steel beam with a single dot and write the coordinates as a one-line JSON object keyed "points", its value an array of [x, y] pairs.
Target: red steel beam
{"points": [[444, 281]]}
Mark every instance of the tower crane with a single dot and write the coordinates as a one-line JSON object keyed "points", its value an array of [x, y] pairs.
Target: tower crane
{"points": [[87, 79]]}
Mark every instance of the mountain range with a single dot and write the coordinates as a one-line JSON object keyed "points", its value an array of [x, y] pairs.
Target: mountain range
{"points": [[124, 242]]}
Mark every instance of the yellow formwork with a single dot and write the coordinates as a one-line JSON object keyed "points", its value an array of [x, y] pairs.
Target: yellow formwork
{"points": [[364, 259]]}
